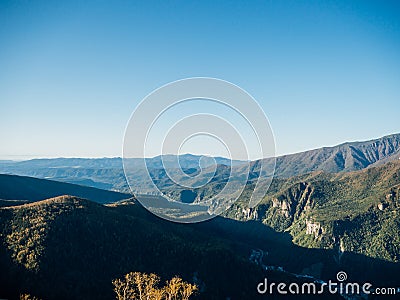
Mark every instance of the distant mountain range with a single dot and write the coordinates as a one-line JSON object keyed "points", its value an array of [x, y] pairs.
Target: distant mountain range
{"points": [[343, 158], [107, 173]]}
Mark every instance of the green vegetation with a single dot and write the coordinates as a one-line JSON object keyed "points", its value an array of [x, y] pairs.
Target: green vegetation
{"points": [[311, 223], [66, 247], [355, 211], [29, 227], [79, 246]]}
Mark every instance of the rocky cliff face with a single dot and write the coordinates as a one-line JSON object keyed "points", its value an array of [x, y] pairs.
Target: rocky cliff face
{"points": [[289, 206], [314, 228], [352, 212], [281, 210]]}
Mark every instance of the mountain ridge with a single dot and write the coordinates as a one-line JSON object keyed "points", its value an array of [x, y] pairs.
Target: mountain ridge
{"points": [[34, 189], [348, 156]]}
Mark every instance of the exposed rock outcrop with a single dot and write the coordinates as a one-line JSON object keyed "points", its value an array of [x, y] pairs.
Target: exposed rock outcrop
{"points": [[314, 228], [293, 202]]}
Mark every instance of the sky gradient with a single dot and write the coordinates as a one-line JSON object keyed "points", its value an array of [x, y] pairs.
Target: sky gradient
{"points": [[72, 72]]}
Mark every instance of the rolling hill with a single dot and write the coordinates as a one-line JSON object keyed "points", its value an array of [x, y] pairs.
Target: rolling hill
{"points": [[14, 187]]}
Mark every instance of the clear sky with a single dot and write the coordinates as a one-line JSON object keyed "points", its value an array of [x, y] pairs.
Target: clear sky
{"points": [[71, 72]]}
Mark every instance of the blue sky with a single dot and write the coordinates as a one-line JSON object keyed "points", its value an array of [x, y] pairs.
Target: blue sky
{"points": [[71, 73]]}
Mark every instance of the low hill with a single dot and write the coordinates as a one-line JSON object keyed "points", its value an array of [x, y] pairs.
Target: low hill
{"points": [[14, 187]]}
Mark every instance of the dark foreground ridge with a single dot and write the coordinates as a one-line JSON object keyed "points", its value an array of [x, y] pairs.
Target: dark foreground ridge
{"points": [[70, 248], [32, 189]]}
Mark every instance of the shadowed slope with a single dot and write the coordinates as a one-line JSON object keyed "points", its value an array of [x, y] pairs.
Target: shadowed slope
{"points": [[14, 187]]}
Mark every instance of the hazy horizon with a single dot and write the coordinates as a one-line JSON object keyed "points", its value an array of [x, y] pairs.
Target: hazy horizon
{"points": [[29, 157]]}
